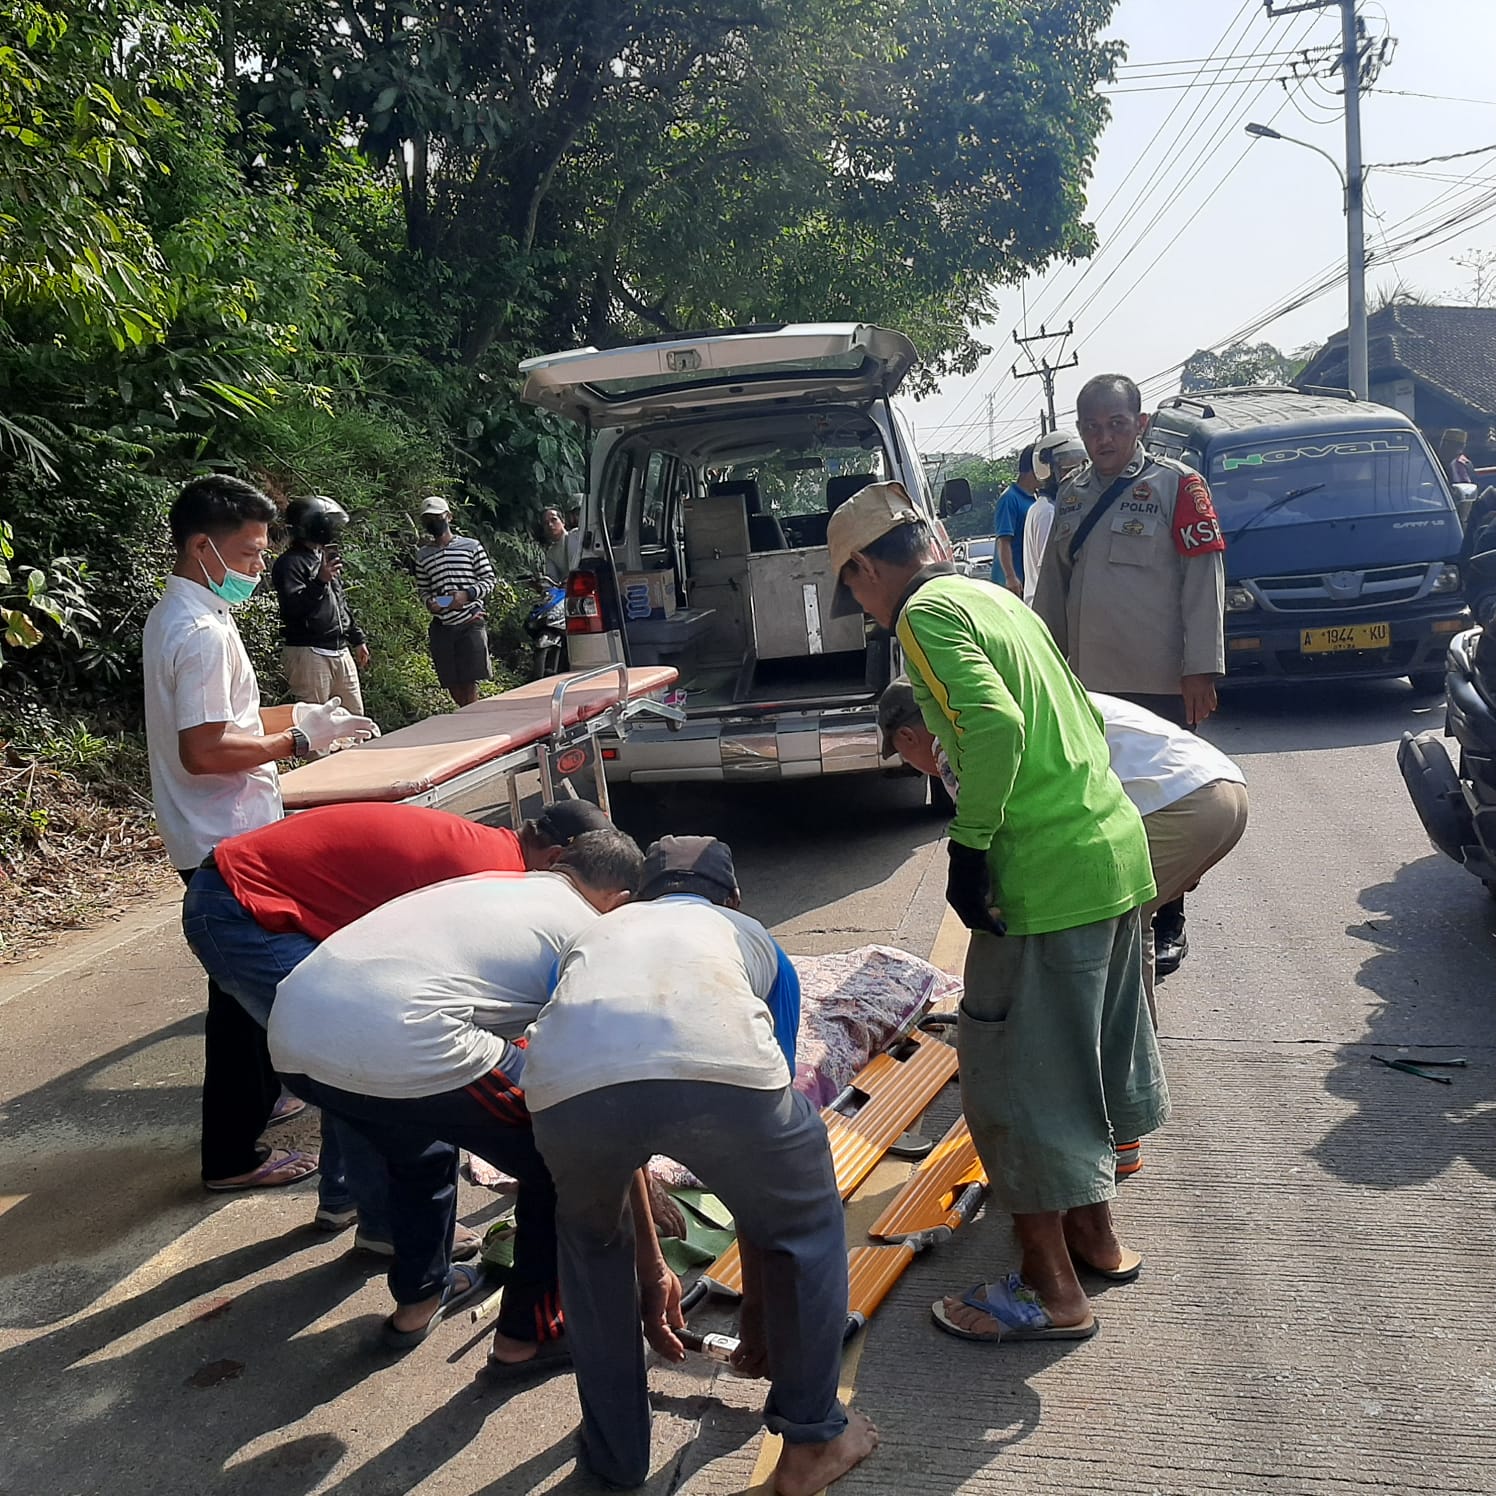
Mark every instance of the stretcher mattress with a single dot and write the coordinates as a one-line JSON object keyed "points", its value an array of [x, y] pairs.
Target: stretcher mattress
{"points": [[417, 759]]}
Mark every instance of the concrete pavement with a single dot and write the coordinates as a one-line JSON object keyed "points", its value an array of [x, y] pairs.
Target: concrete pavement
{"points": [[1316, 1227]]}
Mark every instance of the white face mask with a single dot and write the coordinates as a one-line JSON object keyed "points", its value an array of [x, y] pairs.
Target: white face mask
{"points": [[236, 587]]}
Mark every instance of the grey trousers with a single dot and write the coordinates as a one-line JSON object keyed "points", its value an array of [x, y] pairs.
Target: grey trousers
{"points": [[765, 1154]]}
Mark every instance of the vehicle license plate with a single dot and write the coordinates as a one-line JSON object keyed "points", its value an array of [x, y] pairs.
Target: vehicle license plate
{"points": [[1347, 637]]}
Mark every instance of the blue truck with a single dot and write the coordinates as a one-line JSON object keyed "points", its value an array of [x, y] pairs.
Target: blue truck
{"points": [[1343, 539]]}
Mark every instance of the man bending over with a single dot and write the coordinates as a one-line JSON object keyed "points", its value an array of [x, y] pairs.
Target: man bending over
{"points": [[665, 1033], [400, 1024]]}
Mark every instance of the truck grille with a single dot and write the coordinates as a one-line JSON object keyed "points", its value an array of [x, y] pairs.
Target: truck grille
{"points": [[1328, 592]]}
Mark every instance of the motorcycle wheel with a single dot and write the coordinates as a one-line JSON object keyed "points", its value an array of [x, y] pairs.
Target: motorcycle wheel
{"points": [[1427, 683]]}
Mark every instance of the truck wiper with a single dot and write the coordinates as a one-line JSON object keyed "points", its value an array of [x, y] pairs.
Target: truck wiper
{"points": [[1278, 503]]}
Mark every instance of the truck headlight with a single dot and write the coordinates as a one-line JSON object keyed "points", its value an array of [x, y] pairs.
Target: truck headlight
{"points": [[1239, 600], [1446, 579]]}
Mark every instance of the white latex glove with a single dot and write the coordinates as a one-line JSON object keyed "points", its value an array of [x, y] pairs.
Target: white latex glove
{"points": [[325, 723]]}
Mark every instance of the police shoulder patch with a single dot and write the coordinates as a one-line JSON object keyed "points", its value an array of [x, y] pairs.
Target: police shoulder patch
{"points": [[1197, 531]]}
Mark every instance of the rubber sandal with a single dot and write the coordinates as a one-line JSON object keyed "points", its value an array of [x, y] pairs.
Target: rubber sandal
{"points": [[464, 1284], [552, 1355], [464, 1248], [284, 1109], [1018, 1311], [1126, 1272], [280, 1158]]}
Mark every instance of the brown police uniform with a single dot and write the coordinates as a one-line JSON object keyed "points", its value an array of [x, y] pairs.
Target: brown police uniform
{"points": [[1143, 601]]}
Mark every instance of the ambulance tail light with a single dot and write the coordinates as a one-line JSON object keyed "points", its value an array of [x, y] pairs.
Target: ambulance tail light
{"points": [[584, 604]]}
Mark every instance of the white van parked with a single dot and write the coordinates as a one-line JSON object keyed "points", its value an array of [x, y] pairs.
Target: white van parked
{"points": [[716, 464]]}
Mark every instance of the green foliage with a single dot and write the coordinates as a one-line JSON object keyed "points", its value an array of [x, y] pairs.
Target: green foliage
{"points": [[1239, 364], [329, 288]]}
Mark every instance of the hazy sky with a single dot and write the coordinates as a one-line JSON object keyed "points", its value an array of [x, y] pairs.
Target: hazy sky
{"points": [[1230, 227]]}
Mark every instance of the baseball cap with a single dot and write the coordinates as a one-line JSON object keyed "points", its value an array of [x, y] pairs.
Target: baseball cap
{"points": [[560, 824], [435, 504], [867, 516], [896, 709], [676, 863]]}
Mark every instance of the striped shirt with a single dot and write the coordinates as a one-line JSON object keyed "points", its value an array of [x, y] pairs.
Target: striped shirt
{"points": [[461, 565]]}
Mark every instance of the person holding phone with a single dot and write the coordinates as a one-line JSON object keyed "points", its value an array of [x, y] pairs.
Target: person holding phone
{"points": [[453, 577], [324, 647]]}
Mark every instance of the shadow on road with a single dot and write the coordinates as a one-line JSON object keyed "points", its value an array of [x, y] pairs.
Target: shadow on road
{"points": [[1433, 979], [1306, 718], [161, 1390], [868, 825]]}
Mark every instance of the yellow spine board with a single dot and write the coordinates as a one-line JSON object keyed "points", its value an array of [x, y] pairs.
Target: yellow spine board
{"points": [[928, 1200], [898, 1090]]}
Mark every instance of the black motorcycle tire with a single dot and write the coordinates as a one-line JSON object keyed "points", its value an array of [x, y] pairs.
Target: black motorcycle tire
{"points": [[1427, 682]]}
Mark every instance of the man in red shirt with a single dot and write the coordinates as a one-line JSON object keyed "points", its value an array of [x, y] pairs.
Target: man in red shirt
{"points": [[263, 901]]}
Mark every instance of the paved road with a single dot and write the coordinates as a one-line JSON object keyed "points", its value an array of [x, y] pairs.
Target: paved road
{"points": [[1317, 1228]]}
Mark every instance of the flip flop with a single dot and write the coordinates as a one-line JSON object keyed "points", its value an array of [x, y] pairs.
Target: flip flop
{"points": [[284, 1109], [551, 1355], [1125, 1272], [464, 1284], [279, 1159], [1017, 1309]]}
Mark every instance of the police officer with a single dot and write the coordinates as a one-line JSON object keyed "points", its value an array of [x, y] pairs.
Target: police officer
{"points": [[1133, 585]]}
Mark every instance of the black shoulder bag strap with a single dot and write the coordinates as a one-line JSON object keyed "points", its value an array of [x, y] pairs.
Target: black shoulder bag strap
{"points": [[1112, 493]]}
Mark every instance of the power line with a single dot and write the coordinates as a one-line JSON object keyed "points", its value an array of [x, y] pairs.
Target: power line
{"points": [[1218, 122], [1191, 62], [1408, 93], [1479, 150], [1236, 30], [975, 389]]}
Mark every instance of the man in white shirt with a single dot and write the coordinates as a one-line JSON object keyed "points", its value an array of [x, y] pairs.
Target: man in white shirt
{"points": [[212, 757], [661, 1036], [401, 1025], [1056, 456]]}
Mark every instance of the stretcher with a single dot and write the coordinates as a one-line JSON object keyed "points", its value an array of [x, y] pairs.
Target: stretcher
{"points": [[547, 726], [943, 1193], [885, 1096]]}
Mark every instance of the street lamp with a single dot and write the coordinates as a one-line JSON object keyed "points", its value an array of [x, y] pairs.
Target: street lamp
{"points": [[1357, 358]]}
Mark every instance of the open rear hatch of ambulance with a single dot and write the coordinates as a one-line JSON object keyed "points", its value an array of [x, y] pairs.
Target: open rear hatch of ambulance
{"points": [[849, 363]]}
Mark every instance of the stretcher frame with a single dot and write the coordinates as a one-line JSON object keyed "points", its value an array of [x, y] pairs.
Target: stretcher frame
{"points": [[538, 754], [944, 1192]]}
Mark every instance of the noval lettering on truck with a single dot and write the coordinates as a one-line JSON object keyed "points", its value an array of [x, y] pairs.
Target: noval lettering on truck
{"points": [[1197, 531], [1294, 454]]}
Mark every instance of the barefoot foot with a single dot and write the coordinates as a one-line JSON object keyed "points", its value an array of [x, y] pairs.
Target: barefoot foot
{"points": [[804, 1469]]}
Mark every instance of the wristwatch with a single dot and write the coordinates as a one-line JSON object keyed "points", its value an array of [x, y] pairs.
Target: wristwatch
{"points": [[301, 744]]}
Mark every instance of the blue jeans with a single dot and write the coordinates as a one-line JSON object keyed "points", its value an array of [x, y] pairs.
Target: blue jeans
{"points": [[249, 962]]}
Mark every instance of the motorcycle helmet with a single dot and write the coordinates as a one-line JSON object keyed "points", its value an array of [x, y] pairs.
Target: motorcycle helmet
{"points": [[316, 519]]}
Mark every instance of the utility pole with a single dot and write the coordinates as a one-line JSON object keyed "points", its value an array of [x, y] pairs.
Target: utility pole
{"points": [[1358, 373], [1042, 368], [1357, 356]]}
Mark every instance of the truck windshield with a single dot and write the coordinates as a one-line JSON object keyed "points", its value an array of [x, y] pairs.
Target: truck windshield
{"points": [[1294, 481]]}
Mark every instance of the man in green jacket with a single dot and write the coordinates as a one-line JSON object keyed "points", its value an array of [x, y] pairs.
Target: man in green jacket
{"points": [[1048, 867]]}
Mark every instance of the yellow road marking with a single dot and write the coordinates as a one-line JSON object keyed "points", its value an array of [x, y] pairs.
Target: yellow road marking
{"points": [[951, 939]]}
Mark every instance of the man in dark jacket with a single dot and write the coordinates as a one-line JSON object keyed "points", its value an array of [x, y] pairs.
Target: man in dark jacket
{"points": [[323, 646]]}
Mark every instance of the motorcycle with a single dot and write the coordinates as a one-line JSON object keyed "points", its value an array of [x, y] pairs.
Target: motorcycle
{"points": [[1456, 799], [546, 626]]}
